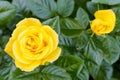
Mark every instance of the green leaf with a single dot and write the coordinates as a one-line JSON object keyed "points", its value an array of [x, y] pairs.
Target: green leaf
{"points": [[82, 17], [111, 50], [21, 5], [7, 12], [83, 74], [70, 27], [65, 7], [7, 68], [47, 73], [65, 41], [92, 68], [71, 64], [54, 23], [55, 73], [108, 2], [104, 72], [4, 40], [42, 8], [92, 7], [67, 45], [117, 13], [93, 53], [82, 41]]}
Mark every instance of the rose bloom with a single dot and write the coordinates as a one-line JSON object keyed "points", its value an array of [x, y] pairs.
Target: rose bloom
{"points": [[104, 22], [32, 44]]}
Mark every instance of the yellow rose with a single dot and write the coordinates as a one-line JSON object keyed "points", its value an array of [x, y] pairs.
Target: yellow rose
{"points": [[104, 22], [32, 44]]}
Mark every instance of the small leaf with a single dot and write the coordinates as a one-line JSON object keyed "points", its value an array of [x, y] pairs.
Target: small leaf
{"points": [[7, 12], [70, 27], [104, 72], [67, 45], [55, 73], [111, 50], [54, 23], [93, 53], [42, 8], [71, 64], [82, 17], [84, 74], [65, 7], [117, 13], [92, 7], [108, 2], [21, 5]]}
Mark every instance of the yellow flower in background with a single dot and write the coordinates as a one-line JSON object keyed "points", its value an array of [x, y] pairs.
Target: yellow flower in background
{"points": [[104, 22], [32, 44]]}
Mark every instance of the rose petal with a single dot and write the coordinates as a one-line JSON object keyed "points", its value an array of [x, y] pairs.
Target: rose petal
{"points": [[105, 15], [8, 48], [29, 22], [53, 56], [27, 67]]}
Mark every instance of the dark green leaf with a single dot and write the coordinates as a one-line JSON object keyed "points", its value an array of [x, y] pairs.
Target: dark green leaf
{"points": [[46, 73], [111, 50], [67, 45], [72, 64], [104, 72], [7, 12], [117, 13], [6, 69], [42, 8], [70, 27], [83, 74], [108, 2], [82, 17], [92, 7], [93, 53], [54, 23], [21, 5], [82, 41], [55, 73], [65, 7]]}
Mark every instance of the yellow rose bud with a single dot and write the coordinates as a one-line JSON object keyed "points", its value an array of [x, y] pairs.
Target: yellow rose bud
{"points": [[32, 44], [104, 22]]}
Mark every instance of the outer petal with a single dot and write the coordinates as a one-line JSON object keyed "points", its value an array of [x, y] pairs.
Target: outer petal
{"points": [[53, 35], [105, 15], [29, 22], [8, 48], [27, 67], [53, 56]]}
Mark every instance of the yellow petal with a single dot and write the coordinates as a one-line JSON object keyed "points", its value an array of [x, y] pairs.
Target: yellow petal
{"points": [[100, 27], [27, 67], [29, 22], [105, 15], [52, 34], [19, 54], [53, 56], [8, 48]]}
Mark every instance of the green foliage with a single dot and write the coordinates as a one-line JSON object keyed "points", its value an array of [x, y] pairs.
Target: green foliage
{"points": [[84, 56], [109, 2], [82, 17], [7, 12], [65, 7]]}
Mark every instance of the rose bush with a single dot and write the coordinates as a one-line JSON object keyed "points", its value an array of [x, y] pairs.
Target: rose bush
{"points": [[59, 39], [32, 44]]}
